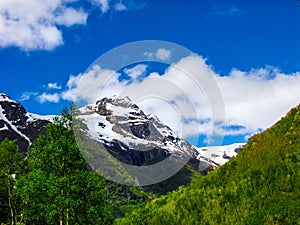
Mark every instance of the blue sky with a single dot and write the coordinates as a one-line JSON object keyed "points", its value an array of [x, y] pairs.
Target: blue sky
{"points": [[246, 42]]}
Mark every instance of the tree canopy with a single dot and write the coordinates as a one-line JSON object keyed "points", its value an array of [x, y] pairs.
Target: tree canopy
{"points": [[260, 186]]}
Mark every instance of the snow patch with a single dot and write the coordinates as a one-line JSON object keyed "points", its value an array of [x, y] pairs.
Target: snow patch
{"points": [[33, 117], [219, 154], [12, 126], [4, 128], [5, 98]]}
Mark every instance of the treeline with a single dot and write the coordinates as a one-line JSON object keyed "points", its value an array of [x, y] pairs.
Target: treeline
{"points": [[54, 184], [260, 186]]}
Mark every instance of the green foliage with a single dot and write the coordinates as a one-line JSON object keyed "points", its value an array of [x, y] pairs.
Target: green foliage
{"points": [[10, 169], [182, 178], [260, 186], [59, 187], [55, 185]]}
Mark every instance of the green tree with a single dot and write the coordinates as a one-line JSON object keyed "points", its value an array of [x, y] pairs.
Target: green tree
{"points": [[259, 186], [59, 188], [10, 168]]}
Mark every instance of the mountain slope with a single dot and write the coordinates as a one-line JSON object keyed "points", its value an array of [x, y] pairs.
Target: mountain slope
{"points": [[17, 124], [117, 126], [117, 123], [260, 186], [121, 126]]}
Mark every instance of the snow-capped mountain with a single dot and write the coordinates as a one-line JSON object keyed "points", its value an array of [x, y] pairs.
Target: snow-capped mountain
{"points": [[218, 155], [123, 128], [17, 123], [120, 126]]}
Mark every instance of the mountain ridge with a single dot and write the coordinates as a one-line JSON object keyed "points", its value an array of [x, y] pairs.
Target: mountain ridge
{"points": [[121, 126], [18, 124]]}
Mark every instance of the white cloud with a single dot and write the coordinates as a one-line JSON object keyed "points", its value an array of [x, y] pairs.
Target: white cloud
{"points": [[104, 4], [160, 54], [32, 24], [54, 86], [71, 17], [175, 89], [136, 71], [27, 95], [37, 24], [254, 100], [120, 6], [92, 85], [163, 54], [153, 105], [149, 54], [48, 98]]}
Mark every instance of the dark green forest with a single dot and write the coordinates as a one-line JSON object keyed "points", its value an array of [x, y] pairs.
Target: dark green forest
{"points": [[54, 185]]}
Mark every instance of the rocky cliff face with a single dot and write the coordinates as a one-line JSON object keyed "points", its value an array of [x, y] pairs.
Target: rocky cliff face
{"points": [[17, 124], [124, 129]]}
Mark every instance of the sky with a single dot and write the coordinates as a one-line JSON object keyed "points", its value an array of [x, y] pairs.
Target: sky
{"points": [[250, 48]]}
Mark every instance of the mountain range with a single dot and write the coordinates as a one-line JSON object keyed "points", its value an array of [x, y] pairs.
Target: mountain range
{"points": [[120, 126], [258, 183]]}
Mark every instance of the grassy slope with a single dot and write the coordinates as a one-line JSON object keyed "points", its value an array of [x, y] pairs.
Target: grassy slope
{"points": [[260, 186]]}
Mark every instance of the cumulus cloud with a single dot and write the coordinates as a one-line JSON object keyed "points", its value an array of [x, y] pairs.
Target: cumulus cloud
{"points": [[33, 24], [174, 96], [37, 24], [54, 86], [120, 6], [27, 95], [44, 97], [104, 4], [136, 71], [163, 54], [258, 98], [185, 95], [88, 87], [160, 54], [48, 98]]}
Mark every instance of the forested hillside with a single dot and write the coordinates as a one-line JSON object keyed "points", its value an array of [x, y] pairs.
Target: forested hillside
{"points": [[54, 185], [260, 186]]}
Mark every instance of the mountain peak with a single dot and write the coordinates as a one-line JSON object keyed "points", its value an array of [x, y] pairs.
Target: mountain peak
{"points": [[17, 124], [122, 127], [116, 100], [5, 98], [117, 121]]}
